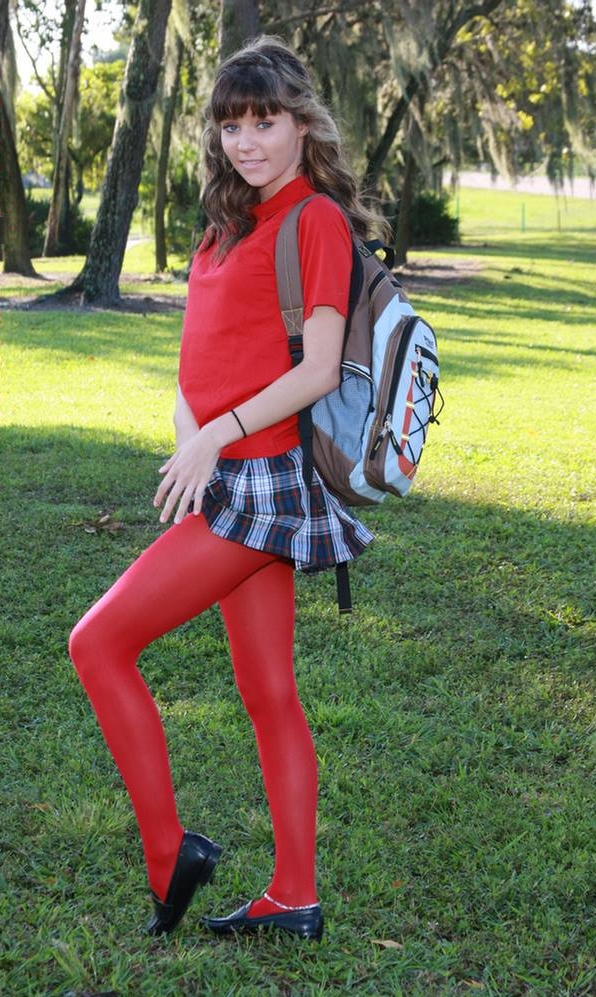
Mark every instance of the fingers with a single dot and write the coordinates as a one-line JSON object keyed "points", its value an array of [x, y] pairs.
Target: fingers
{"points": [[198, 500], [169, 504], [161, 492], [166, 483], [174, 491], [185, 477], [178, 491]]}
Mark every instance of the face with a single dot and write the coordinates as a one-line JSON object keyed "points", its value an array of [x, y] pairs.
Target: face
{"points": [[266, 152]]}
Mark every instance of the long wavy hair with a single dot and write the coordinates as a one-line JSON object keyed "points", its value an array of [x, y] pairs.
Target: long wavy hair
{"points": [[266, 78]]}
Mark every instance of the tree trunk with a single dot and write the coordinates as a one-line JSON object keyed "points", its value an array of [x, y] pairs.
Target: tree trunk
{"points": [[57, 232], [168, 108], [67, 28], [402, 238], [98, 279], [377, 159], [17, 256], [240, 22]]}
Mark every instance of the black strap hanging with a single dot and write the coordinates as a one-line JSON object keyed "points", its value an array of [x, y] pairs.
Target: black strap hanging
{"points": [[344, 595]]}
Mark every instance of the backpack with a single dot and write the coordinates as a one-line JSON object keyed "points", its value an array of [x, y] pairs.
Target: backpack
{"points": [[366, 437], [368, 434]]}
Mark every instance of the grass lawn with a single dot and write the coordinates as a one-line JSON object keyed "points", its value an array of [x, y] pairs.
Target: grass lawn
{"points": [[454, 713], [487, 212]]}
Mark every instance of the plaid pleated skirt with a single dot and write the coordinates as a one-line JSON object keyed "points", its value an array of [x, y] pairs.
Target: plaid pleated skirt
{"points": [[264, 503]]}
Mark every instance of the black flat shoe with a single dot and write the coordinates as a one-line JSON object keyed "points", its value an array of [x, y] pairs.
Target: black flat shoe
{"points": [[194, 867], [305, 922]]}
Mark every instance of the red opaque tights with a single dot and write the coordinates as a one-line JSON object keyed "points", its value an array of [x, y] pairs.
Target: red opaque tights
{"points": [[184, 572]]}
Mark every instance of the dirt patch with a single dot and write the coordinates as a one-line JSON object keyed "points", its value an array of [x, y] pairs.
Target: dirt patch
{"points": [[43, 298], [139, 304], [432, 274], [421, 275]]}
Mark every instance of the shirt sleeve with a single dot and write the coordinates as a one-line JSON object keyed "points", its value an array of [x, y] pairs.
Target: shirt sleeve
{"points": [[325, 245]]}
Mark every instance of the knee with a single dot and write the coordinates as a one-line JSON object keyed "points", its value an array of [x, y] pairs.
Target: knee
{"points": [[77, 643], [83, 646], [275, 697]]}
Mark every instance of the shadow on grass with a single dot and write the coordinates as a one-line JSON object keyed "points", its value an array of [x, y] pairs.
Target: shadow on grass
{"points": [[521, 575], [568, 313], [150, 345], [63, 334], [516, 298], [555, 246]]}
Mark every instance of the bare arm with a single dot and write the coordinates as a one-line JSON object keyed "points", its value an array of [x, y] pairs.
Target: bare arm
{"points": [[185, 423], [188, 471]]}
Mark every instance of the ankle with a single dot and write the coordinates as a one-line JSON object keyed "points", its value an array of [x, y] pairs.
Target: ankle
{"points": [[288, 907], [160, 868]]}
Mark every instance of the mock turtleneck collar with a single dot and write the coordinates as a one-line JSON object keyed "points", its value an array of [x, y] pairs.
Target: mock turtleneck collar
{"points": [[291, 193]]}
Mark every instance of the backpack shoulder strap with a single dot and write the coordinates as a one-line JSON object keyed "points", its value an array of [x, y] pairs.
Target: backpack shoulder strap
{"points": [[291, 303], [289, 277], [287, 269]]}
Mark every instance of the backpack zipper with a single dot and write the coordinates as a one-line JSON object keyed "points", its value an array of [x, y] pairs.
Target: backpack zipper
{"points": [[354, 368], [387, 428]]}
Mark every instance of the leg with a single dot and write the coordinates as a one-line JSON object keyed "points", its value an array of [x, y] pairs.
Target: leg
{"points": [[186, 570], [259, 617]]}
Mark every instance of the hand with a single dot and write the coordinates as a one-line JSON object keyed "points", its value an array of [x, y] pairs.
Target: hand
{"points": [[186, 475]]}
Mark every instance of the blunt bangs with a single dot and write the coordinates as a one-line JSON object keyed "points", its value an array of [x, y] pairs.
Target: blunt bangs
{"points": [[246, 88]]}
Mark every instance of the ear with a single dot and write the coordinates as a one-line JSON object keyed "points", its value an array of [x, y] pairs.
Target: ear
{"points": [[303, 130]]}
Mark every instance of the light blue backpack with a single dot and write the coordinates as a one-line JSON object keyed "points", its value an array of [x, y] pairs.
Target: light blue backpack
{"points": [[367, 436]]}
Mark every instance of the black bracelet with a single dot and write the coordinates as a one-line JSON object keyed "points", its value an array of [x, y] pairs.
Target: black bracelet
{"points": [[244, 433]]}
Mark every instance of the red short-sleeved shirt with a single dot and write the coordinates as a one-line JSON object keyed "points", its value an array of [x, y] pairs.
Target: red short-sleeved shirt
{"points": [[234, 342]]}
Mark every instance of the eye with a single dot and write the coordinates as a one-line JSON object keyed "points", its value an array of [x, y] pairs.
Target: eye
{"points": [[265, 124], [229, 127]]}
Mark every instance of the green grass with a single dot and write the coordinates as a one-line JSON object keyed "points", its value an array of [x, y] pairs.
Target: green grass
{"points": [[487, 212], [453, 714], [138, 274]]}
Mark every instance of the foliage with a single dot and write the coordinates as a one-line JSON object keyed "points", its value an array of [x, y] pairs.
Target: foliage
{"points": [[453, 715], [510, 84], [98, 103], [16, 254], [99, 91], [431, 221], [196, 27], [523, 94], [34, 132], [37, 212], [99, 278], [40, 28], [185, 214]]}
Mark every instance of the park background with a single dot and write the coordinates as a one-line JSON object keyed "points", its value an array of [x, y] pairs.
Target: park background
{"points": [[454, 713]]}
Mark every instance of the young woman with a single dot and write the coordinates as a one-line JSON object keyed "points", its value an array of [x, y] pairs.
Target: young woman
{"points": [[243, 519]]}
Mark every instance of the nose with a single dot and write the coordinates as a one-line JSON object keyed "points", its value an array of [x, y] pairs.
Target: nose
{"points": [[245, 139]]}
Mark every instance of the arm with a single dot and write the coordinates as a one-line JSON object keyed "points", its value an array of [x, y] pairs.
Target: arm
{"points": [[185, 423], [188, 471], [316, 375]]}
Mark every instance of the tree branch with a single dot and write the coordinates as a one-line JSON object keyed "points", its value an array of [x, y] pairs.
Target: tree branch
{"points": [[468, 14], [33, 62], [308, 14]]}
